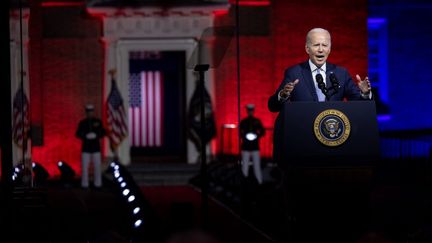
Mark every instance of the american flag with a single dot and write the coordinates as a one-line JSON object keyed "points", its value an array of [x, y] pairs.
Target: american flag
{"points": [[21, 123], [146, 109], [117, 129]]}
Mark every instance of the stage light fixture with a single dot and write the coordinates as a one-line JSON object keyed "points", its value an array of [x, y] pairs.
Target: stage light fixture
{"points": [[120, 179], [112, 164], [67, 173], [18, 172], [125, 192], [123, 184], [116, 167], [116, 174], [131, 198], [138, 223], [39, 172], [136, 210]]}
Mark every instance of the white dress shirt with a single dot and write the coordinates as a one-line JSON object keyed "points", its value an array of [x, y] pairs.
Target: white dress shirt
{"points": [[315, 70]]}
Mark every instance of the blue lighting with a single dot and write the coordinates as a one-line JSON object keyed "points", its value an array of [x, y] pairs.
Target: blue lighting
{"points": [[376, 21], [378, 59], [383, 118]]}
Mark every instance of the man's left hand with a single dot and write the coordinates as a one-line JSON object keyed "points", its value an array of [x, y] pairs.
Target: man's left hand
{"points": [[364, 85]]}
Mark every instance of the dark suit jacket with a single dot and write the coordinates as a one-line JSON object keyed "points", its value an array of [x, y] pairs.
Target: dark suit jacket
{"points": [[305, 91]]}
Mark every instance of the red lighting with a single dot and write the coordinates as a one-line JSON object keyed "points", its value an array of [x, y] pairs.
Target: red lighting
{"points": [[62, 4], [99, 16], [251, 3], [218, 13]]}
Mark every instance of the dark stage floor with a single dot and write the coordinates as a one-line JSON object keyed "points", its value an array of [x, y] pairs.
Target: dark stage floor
{"points": [[388, 203], [54, 212]]}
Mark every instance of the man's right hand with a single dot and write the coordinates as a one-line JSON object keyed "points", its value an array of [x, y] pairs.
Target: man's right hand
{"points": [[288, 88]]}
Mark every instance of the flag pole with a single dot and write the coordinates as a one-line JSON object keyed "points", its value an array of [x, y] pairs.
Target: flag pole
{"points": [[114, 148], [201, 69], [28, 170], [27, 164]]}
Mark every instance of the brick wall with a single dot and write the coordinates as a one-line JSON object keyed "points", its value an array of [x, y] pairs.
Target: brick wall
{"points": [[66, 73], [66, 64]]}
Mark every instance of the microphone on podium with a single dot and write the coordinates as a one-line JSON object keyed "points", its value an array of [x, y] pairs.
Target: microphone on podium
{"points": [[321, 85], [334, 81]]}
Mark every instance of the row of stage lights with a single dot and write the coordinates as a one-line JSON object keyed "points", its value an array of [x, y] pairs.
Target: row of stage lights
{"points": [[41, 174], [122, 180], [129, 193]]}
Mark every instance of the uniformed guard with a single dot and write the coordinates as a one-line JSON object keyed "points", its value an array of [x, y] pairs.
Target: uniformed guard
{"points": [[251, 130], [90, 131]]}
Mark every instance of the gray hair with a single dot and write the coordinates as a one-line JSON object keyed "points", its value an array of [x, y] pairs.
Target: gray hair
{"points": [[316, 30]]}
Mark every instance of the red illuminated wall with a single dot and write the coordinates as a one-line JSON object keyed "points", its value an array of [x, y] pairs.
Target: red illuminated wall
{"points": [[264, 58], [66, 63], [66, 60]]}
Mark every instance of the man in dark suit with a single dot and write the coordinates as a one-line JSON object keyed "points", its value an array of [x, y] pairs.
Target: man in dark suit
{"points": [[300, 82], [311, 81]]}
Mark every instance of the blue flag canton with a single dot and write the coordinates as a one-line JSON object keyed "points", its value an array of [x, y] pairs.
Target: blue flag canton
{"points": [[135, 90], [20, 100], [115, 98]]}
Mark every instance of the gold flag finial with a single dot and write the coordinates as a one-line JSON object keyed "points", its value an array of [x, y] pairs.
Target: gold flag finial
{"points": [[112, 72]]}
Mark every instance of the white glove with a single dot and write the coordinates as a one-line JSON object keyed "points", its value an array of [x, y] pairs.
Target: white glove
{"points": [[251, 136], [91, 135]]}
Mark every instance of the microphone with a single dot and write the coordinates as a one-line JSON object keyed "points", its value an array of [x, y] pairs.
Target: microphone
{"points": [[334, 81], [321, 84]]}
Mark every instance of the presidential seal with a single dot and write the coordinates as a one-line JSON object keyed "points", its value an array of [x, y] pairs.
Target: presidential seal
{"points": [[332, 127]]}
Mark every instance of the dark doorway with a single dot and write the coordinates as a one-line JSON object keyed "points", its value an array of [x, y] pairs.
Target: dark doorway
{"points": [[157, 106]]}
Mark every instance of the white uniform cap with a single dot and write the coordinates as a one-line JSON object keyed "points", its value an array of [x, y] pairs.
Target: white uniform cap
{"points": [[89, 107], [250, 106]]}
